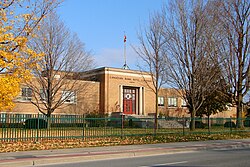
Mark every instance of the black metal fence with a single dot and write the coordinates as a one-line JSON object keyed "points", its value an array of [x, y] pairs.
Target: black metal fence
{"points": [[34, 127]]}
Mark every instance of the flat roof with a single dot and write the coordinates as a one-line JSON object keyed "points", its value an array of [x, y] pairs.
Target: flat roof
{"points": [[97, 70]]}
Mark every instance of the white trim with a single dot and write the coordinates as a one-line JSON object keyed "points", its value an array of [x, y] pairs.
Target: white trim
{"points": [[143, 100], [121, 98], [119, 73], [128, 74], [140, 100]]}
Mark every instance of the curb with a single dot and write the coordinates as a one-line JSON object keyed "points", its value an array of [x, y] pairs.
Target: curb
{"points": [[64, 158], [91, 156]]}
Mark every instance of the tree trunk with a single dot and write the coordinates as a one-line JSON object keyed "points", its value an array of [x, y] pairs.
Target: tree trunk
{"points": [[49, 120], [156, 113], [239, 122], [192, 124], [240, 55]]}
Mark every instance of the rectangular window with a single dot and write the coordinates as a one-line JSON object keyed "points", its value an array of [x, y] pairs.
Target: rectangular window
{"points": [[183, 103], [3, 117], [26, 94], [43, 94], [160, 101], [19, 118], [172, 102], [69, 96]]}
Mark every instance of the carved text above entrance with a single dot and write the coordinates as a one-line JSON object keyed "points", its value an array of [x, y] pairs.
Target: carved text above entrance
{"points": [[129, 79]]}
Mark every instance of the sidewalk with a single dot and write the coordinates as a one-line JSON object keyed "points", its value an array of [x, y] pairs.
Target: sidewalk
{"points": [[33, 158]]}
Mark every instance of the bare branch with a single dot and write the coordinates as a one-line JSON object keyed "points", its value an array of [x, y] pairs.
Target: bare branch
{"points": [[57, 78]]}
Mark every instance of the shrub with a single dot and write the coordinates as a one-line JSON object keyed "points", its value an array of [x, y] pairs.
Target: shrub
{"points": [[35, 123], [229, 124], [66, 125], [247, 122], [199, 124], [11, 125], [95, 120]]}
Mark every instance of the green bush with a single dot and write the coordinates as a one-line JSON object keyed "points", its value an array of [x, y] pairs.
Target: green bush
{"points": [[11, 125], [247, 122], [199, 124], [229, 124], [35, 123], [66, 125], [96, 120]]}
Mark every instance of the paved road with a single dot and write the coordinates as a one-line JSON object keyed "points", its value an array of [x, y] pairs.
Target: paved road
{"points": [[205, 158], [45, 157]]}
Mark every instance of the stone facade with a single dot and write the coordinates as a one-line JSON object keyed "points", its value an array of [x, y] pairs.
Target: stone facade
{"points": [[122, 89], [112, 90], [175, 106], [87, 100]]}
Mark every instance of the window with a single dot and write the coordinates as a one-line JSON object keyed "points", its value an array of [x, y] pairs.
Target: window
{"points": [[160, 101], [26, 94], [69, 96], [172, 102], [43, 94], [183, 103], [3, 117], [19, 118]]}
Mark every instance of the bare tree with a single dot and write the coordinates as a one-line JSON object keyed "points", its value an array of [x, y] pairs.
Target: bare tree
{"points": [[192, 57], [57, 77], [235, 17], [151, 53], [18, 19]]}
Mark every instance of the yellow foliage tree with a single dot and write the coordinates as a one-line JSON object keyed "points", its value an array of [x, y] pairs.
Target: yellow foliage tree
{"points": [[18, 19]]}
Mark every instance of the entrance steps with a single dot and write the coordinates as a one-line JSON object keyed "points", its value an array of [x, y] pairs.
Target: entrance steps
{"points": [[169, 124], [148, 121]]}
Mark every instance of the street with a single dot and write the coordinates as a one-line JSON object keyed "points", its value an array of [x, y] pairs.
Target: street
{"points": [[204, 158]]}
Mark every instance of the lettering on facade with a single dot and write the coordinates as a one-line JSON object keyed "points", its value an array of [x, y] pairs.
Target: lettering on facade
{"points": [[116, 77], [130, 79]]}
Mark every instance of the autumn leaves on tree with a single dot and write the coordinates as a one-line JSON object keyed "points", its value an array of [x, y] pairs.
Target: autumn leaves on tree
{"points": [[18, 19]]}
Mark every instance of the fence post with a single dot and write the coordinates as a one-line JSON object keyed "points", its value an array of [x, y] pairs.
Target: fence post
{"points": [[122, 124], [83, 127], [37, 131]]}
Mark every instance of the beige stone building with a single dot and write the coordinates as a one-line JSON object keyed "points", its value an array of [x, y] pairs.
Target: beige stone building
{"points": [[124, 91], [113, 90], [171, 104]]}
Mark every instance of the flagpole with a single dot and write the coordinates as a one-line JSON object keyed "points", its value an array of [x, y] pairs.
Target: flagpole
{"points": [[125, 62], [125, 66]]}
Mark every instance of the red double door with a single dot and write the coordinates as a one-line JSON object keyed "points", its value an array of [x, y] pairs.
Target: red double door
{"points": [[129, 100]]}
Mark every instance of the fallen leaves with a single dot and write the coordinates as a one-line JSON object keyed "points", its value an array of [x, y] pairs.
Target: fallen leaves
{"points": [[111, 141]]}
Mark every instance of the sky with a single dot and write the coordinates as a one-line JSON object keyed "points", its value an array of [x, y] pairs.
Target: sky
{"points": [[101, 24]]}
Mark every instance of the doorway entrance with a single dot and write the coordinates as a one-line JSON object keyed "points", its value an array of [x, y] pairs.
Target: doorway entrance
{"points": [[129, 100]]}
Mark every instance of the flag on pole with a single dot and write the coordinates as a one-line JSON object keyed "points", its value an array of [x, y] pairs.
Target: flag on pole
{"points": [[125, 38]]}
